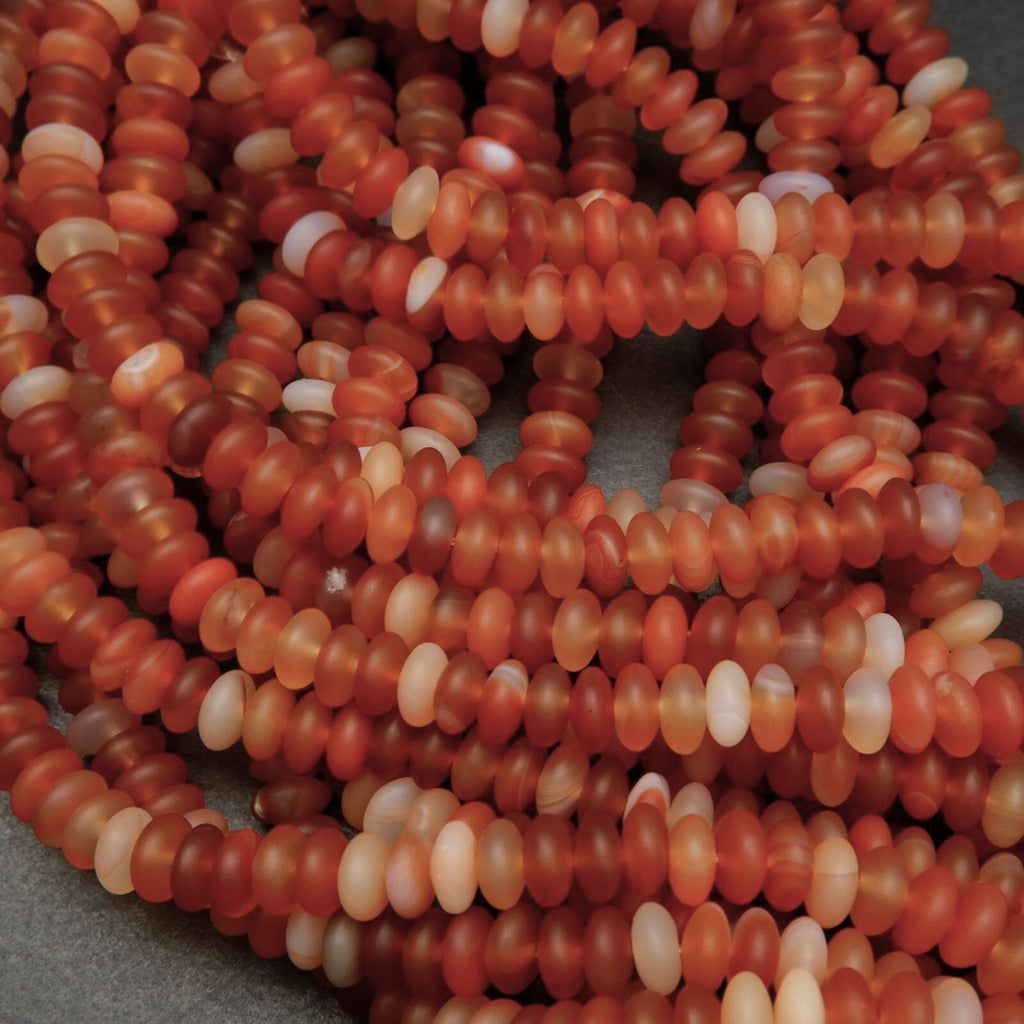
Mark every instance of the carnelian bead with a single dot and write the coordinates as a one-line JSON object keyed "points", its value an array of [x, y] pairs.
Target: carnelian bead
{"points": [[742, 856]]}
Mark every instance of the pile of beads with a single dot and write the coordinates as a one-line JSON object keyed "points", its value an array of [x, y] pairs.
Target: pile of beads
{"points": [[602, 762]]}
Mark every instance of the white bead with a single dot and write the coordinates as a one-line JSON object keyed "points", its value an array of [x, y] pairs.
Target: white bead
{"points": [[756, 225], [309, 395], [934, 82], [427, 276], [22, 313], [500, 24], [63, 140], [34, 387], [303, 235], [806, 183]]}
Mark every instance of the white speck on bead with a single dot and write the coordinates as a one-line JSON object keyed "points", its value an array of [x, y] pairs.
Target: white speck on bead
{"points": [[806, 183]]}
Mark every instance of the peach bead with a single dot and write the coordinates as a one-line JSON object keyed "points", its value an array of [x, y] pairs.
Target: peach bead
{"points": [[746, 1000], [265, 150], [62, 140], [834, 883], [655, 947], [453, 867], [955, 1001], [417, 683], [798, 999], [823, 291], [361, 877], [756, 224], [899, 136], [802, 946], [222, 711], [303, 235], [1003, 816], [71, 236], [971, 623], [304, 939], [806, 183], [140, 374], [114, 849], [868, 710], [33, 387], [728, 703]]}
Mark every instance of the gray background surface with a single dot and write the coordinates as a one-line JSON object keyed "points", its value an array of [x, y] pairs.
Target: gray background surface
{"points": [[73, 954]]}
